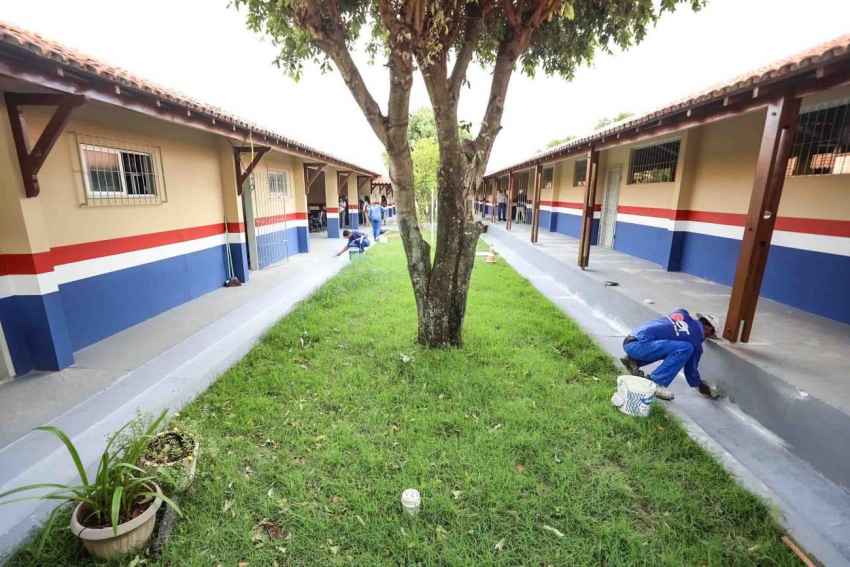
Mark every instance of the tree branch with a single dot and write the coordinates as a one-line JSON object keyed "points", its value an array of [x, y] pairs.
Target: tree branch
{"points": [[467, 49], [329, 34]]}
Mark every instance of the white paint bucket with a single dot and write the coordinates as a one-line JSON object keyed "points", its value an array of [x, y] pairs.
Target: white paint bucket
{"points": [[411, 501], [634, 396]]}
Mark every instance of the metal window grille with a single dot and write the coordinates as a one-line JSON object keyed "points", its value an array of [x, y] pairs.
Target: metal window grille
{"points": [[821, 143], [580, 173], [120, 172], [278, 184], [548, 177], [655, 163]]}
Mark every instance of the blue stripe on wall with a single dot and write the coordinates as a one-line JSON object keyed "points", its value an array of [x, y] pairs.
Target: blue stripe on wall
{"points": [[271, 249], [35, 332], [647, 242], [570, 225], [333, 228], [98, 307], [812, 281], [303, 239]]}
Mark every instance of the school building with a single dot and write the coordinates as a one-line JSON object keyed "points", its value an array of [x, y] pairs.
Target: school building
{"points": [[121, 199], [710, 184]]}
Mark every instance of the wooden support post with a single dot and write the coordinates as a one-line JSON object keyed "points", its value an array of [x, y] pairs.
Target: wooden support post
{"points": [[31, 158], [310, 178], [243, 173], [510, 199], [535, 209], [342, 178], [776, 143], [588, 207]]}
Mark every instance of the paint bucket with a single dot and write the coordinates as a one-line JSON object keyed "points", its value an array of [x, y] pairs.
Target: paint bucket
{"points": [[353, 253], [634, 395], [411, 501]]}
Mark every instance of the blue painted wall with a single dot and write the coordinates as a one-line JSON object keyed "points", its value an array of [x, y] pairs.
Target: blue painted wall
{"points": [[98, 307]]}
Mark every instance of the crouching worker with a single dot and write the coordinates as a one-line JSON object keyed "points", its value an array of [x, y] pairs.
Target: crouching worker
{"points": [[676, 340], [355, 240]]}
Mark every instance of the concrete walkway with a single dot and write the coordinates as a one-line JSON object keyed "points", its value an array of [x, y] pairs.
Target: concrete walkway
{"points": [[815, 510], [161, 363]]}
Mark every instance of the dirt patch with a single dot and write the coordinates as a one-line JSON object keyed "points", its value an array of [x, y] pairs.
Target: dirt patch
{"points": [[169, 448]]}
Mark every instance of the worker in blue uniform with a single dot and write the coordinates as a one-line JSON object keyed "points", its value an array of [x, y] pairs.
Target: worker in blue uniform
{"points": [[675, 339]]}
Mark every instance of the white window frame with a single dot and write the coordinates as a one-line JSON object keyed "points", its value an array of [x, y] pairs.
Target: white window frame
{"points": [[285, 175], [122, 174]]}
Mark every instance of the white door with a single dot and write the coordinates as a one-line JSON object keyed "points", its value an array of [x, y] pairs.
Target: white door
{"points": [[608, 222]]}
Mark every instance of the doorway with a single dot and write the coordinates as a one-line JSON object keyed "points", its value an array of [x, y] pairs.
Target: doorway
{"points": [[610, 199]]}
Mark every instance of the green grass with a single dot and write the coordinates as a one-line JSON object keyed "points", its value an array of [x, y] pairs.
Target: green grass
{"points": [[320, 428]]}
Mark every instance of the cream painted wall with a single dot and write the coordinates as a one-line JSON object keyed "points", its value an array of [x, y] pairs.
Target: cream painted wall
{"points": [[191, 165], [272, 205], [725, 171]]}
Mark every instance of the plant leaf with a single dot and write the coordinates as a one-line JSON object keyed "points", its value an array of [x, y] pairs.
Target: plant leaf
{"points": [[71, 449], [165, 499], [116, 508]]}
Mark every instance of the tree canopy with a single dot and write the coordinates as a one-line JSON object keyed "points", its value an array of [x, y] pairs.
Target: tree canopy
{"points": [[440, 39], [604, 122]]}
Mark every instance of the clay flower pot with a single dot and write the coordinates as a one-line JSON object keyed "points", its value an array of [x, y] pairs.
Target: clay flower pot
{"points": [[103, 543], [183, 467]]}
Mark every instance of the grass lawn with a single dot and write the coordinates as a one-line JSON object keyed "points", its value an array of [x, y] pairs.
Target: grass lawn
{"points": [[512, 441]]}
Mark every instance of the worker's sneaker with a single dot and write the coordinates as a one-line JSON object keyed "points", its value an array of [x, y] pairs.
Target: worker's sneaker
{"points": [[632, 366], [661, 392], [706, 391]]}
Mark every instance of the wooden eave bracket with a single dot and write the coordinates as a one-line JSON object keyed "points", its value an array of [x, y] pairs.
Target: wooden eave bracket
{"points": [[31, 158], [342, 178], [242, 175], [310, 178], [361, 181]]}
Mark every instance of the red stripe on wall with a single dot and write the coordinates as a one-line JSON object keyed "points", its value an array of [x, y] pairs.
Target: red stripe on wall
{"points": [[38, 263], [235, 227], [99, 249], [276, 219], [824, 227]]}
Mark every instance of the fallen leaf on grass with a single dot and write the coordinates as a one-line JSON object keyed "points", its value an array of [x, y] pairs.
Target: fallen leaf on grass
{"points": [[753, 548], [281, 549], [270, 493], [320, 438], [244, 564], [499, 544], [228, 504], [441, 532], [334, 550], [519, 467], [265, 531], [553, 530], [405, 358], [359, 519], [456, 494], [660, 428], [337, 499]]}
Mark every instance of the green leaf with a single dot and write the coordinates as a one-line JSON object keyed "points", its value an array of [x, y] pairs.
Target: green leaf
{"points": [[116, 508], [165, 499], [71, 449]]}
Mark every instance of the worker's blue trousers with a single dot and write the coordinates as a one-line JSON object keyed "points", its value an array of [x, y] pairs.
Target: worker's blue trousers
{"points": [[376, 229], [674, 353]]}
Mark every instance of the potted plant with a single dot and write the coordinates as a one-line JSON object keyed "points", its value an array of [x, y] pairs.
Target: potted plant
{"points": [[116, 509], [173, 456]]}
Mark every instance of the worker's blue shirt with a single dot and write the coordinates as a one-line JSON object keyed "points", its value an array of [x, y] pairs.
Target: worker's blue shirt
{"points": [[677, 326], [354, 236]]}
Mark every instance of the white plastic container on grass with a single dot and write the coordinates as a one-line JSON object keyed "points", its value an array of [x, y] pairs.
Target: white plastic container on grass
{"points": [[634, 395], [411, 501]]}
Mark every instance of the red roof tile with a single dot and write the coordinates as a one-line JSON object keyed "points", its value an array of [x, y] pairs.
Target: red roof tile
{"points": [[801, 62], [43, 48]]}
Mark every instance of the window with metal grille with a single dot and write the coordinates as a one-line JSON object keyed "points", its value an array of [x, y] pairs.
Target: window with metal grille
{"points": [[278, 183], [580, 173], [548, 177], [822, 143], [655, 163], [120, 172]]}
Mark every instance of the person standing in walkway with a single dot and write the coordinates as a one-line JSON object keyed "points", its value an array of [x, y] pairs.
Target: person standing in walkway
{"points": [[386, 208], [376, 217], [502, 205], [675, 339]]}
